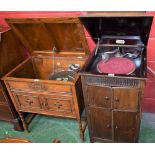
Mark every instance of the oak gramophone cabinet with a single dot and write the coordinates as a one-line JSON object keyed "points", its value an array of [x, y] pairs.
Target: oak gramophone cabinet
{"points": [[113, 77], [47, 82], [10, 56]]}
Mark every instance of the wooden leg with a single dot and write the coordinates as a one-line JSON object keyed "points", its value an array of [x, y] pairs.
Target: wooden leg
{"points": [[23, 121], [18, 125], [81, 130], [91, 140]]}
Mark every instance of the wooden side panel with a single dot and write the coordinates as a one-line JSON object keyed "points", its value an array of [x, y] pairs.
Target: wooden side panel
{"points": [[26, 70], [5, 112], [11, 52]]}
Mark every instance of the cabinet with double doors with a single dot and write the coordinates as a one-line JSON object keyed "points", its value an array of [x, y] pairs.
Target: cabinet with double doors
{"points": [[113, 112]]}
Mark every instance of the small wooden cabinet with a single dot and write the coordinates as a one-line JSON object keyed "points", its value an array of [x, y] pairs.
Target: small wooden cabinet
{"points": [[113, 112]]}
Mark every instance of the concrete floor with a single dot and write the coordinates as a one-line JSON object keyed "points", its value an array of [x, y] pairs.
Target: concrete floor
{"points": [[45, 129]]}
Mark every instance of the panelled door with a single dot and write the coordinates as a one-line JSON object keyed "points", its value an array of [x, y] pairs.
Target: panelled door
{"points": [[125, 126], [99, 96], [125, 98], [101, 123]]}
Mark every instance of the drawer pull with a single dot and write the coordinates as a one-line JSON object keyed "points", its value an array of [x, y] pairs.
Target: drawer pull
{"points": [[106, 98]]}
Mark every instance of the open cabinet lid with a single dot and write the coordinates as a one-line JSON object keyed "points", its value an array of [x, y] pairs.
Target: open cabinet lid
{"points": [[11, 51], [115, 24], [50, 34]]}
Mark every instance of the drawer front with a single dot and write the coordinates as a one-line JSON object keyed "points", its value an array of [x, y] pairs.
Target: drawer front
{"points": [[39, 86], [5, 112], [58, 103], [27, 101], [45, 104]]}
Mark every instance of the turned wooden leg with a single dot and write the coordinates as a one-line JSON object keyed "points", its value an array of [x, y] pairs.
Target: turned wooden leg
{"points": [[81, 130], [18, 125], [23, 121]]}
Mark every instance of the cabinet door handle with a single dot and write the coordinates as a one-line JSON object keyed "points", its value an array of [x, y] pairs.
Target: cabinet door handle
{"points": [[116, 127], [117, 99], [106, 98], [108, 126]]}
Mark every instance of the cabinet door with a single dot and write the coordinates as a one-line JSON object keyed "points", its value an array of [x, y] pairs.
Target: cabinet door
{"points": [[27, 101], [125, 98], [101, 123], [98, 96], [125, 126]]}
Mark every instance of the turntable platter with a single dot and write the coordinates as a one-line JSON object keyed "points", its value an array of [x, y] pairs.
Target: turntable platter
{"points": [[116, 65]]}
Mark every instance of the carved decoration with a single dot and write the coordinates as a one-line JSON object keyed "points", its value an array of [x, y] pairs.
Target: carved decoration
{"points": [[37, 86]]}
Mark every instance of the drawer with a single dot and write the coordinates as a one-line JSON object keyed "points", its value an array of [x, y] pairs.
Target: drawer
{"points": [[57, 103], [39, 86], [27, 101], [5, 112]]}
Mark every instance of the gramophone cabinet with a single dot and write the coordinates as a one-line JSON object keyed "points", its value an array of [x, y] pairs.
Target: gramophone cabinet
{"points": [[113, 99], [54, 44], [10, 56]]}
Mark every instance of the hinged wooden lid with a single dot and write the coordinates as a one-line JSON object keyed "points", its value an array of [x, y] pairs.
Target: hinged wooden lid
{"points": [[50, 34], [118, 24]]}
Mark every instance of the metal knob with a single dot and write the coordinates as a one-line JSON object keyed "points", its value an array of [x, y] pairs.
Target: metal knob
{"points": [[106, 98], [108, 126], [117, 99]]}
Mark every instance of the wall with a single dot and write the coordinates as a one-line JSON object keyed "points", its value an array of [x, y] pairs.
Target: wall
{"points": [[149, 97]]}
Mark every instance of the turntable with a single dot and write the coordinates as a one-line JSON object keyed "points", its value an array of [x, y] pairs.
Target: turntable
{"points": [[113, 77]]}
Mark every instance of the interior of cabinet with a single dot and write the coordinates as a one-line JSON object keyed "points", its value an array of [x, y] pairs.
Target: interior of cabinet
{"points": [[42, 67]]}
